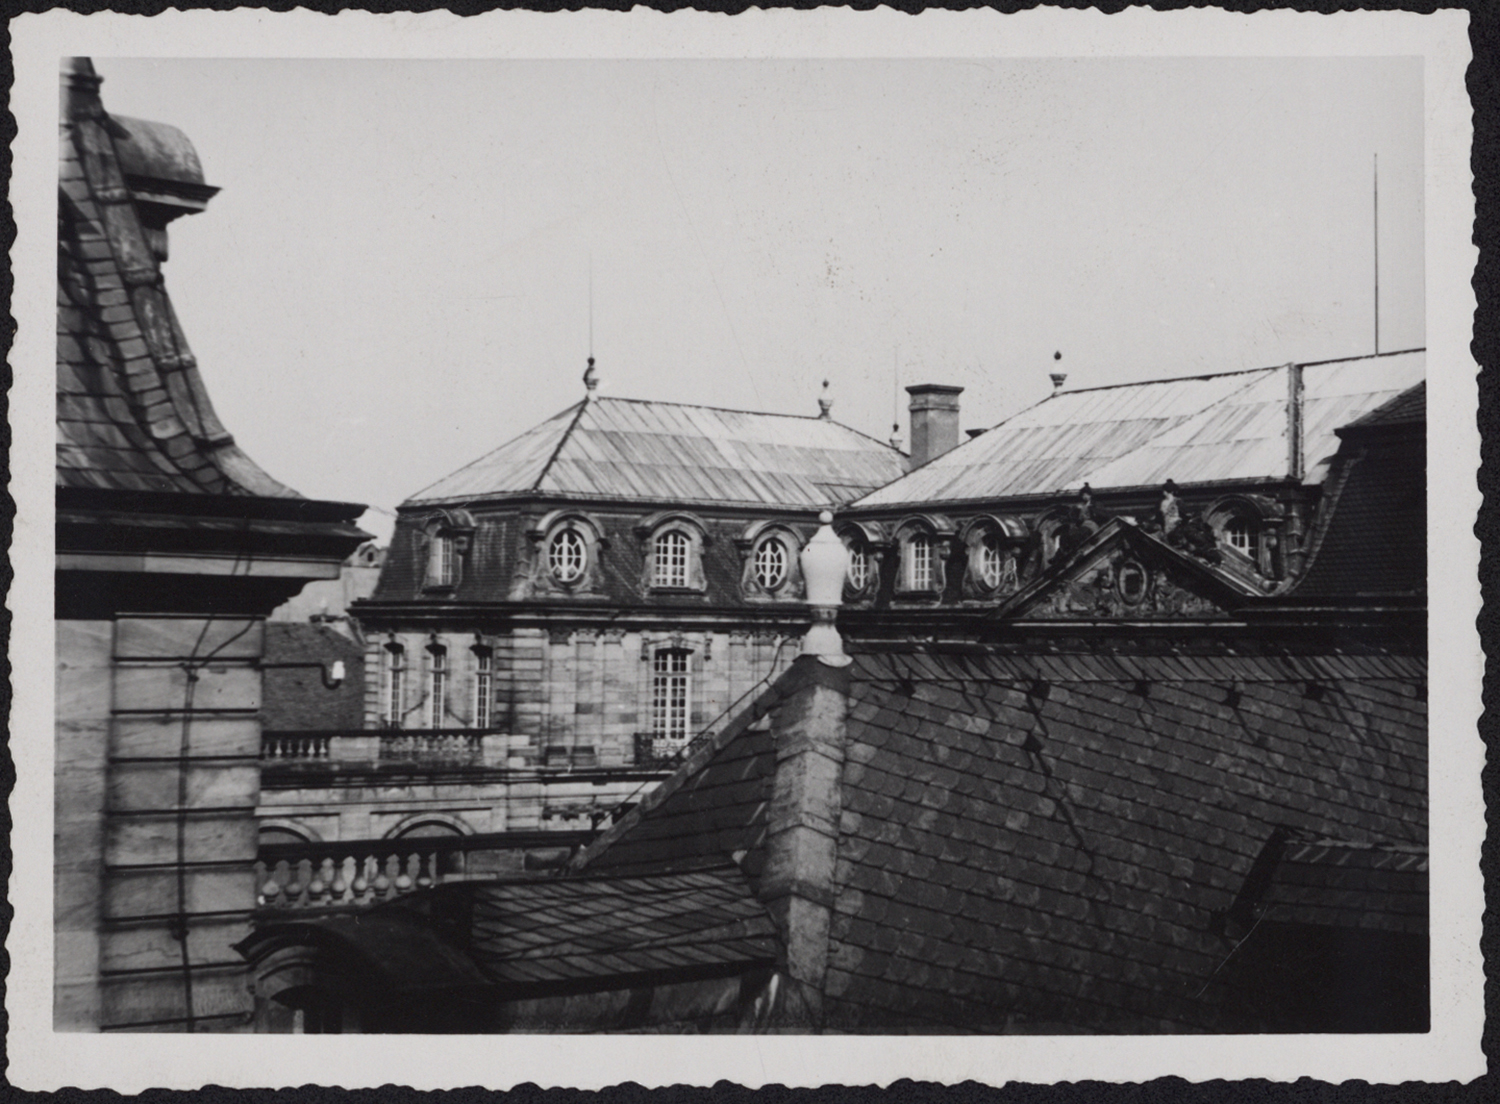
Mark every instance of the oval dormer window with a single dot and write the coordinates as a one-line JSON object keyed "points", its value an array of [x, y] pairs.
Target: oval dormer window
{"points": [[771, 563], [859, 568], [991, 569], [567, 555]]}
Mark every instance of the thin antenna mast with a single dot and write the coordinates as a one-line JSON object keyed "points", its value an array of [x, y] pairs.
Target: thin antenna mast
{"points": [[591, 305], [1377, 254]]}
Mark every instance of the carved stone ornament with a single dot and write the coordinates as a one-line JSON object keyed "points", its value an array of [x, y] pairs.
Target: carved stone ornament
{"points": [[1122, 585]]}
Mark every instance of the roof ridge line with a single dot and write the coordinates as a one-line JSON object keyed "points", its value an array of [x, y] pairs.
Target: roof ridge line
{"points": [[738, 410], [561, 441], [1218, 375], [416, 496]]}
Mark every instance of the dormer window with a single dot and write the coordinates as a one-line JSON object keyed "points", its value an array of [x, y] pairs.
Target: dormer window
{"points": [[859, 568], [567, 555], [771, 563], [990, 568], [672, 545], [1239, 534], [447, 536], [672, 551], [919, 574]]}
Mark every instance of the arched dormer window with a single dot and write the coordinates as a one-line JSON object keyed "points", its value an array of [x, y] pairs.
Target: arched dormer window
{"points": [[921, 549], [564, 555], [447, 537], [672, 550], [1244, 527], [769, 565], [866, 544], [994, 546], [393, 686]]}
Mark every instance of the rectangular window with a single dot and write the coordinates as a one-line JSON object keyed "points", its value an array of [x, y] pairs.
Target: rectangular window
{"points": [[394, 705], [671, 567], [437, 687], [484, 689], [669, 695], [919, 564]]}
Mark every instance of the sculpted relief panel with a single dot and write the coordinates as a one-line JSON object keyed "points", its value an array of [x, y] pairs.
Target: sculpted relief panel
{"points": [[1120, 585]]}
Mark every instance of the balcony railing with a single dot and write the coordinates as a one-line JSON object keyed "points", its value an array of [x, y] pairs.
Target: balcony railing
{"points": [[456, 748], [361, 873]]}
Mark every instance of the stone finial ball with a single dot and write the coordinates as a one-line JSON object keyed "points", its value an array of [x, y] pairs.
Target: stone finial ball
{"points": [[825, 516]]}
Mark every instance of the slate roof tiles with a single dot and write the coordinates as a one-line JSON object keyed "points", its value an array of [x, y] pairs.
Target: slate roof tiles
{"points": [[1038, 843], [132, 411]]}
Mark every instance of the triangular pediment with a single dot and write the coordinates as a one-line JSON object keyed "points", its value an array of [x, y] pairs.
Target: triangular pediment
{"points": [[1120, 573]]}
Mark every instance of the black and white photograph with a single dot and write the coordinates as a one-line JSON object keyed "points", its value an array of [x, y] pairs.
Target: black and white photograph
{"points": [[740, 545]]}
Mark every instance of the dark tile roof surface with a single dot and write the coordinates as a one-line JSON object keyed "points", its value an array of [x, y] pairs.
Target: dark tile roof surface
{"points": [[1040, 843], [1371, 538], [543, 932], [297, 698], [1330, 883], [1407, 408], [132, 411]]}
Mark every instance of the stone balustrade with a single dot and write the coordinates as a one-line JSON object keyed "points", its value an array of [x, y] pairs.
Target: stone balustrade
{"points": [[357, 874]]}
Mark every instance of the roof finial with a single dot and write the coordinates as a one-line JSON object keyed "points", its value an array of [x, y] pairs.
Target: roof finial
{"points": [[825, 565], [825, 403], [591, 377], [896, 436]]}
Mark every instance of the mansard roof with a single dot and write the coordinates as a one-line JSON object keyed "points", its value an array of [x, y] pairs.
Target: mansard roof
{"points": [[132, 410], [613, 448], [1371, 538], [1026, 840], [1202, 429]]}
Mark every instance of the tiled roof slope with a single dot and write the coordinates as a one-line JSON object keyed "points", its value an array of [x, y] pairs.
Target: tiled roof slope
{"points": [[554, 930], [541, 934], [296, 698], [1371, 539], [610, 448], [132, 411], [1202, 429], [1329, 883], [1049, 844]]}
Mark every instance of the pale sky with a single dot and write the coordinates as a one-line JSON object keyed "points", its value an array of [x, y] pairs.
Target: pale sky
{"points": [[395, 277]]}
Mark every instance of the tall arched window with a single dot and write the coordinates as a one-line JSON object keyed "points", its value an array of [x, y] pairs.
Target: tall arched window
{"points": [[672, 554], [484, 687], [437, 686], [393, 707], [670, 685]]}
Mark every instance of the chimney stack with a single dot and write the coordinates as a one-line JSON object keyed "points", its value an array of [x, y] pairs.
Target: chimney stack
{"points": [[934, 420]]}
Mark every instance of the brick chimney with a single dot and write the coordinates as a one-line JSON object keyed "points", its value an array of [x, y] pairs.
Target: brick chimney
{"points": [[934, 420]]}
